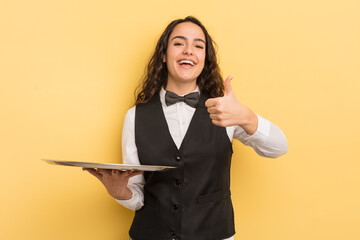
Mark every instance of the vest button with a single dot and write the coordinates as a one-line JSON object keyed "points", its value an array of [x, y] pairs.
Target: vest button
{"points": [[177, 182], [175, 207], [178, 158]]}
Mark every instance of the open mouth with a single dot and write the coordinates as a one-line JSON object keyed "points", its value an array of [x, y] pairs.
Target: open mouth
{"points": [[186, 63]]}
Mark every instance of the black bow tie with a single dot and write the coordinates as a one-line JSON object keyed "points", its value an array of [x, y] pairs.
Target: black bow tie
{"points": [[191, 99]]}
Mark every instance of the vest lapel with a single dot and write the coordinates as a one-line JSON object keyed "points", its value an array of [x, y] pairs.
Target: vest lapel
{"points": [[200, 107]]}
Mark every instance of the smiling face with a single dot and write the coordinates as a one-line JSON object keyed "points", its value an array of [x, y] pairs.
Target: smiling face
{"points": [[185, 55]]}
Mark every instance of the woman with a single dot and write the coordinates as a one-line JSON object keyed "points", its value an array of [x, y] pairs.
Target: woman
{"points": [[185, 116]]}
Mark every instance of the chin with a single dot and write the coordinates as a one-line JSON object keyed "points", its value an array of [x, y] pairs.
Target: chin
{"points": [[188, 80]]}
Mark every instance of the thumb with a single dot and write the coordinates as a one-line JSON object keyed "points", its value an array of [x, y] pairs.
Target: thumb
{"points": [[134, 173], [227, 85]]}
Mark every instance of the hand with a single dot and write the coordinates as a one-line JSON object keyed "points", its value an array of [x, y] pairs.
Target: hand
{"points": [[228, 111], [115, 181]]}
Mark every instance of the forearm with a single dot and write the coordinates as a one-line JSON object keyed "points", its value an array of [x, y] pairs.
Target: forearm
{"points": [[267, 141]]}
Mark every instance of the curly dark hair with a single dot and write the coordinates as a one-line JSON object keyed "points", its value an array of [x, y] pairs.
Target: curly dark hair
{"points": [[209, 80]]}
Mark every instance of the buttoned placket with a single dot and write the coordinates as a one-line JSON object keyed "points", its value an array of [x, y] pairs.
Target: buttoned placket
{"points": [[182, 114], [180, 109]]}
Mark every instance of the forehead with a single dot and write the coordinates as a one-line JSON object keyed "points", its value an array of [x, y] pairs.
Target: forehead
{"points": [[188, 30]]}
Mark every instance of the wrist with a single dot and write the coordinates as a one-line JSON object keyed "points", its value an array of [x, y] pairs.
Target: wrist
{"points": [[250, 124], [127, 195]]}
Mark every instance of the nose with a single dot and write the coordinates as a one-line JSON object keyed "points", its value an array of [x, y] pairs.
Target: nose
{"points": [[188, 50]]}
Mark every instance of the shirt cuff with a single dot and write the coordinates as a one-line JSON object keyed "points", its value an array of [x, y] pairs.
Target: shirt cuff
{"points": [[263, 126], [262, 131]]}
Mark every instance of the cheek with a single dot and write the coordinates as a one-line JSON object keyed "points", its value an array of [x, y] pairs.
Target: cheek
{"points": [[201, 57], [202, 60], [170, 56]]}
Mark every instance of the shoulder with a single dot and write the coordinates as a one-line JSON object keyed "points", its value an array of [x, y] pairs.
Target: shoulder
{"points": [[130, 116], [145, 107], [131, 111]]}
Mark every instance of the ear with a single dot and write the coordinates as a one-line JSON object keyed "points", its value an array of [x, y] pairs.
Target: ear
{"points": [[164, 59]]}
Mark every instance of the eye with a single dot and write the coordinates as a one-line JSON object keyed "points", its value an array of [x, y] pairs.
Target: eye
{"points": [[199, 46], [177, 44]]}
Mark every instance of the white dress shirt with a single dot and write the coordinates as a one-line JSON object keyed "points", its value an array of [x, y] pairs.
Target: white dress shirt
{"points": [[268, 141]]}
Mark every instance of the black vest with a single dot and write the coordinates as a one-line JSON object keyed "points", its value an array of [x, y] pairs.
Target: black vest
{"points": [[191, 202]]}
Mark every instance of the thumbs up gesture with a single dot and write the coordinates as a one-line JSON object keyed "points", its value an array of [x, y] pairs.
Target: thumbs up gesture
{"points": [[228, 111]]}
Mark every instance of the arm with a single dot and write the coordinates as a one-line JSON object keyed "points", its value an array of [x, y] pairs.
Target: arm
{"points": [[130, 156], [268, 140], [249, 128]]}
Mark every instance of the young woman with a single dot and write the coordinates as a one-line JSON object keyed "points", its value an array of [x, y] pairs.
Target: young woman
{"points": [[185, 116]]}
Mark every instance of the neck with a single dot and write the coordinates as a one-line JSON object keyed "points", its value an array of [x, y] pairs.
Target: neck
{"points": [[181, 88]]}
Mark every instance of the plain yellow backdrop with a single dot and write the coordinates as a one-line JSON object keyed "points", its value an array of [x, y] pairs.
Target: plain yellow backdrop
{"points": [[68, 70]]}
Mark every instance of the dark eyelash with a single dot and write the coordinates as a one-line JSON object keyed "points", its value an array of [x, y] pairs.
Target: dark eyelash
{"points": [[201, 47], [177, 44]]}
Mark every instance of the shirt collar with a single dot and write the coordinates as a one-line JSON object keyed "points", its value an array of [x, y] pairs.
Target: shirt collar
{"points": [[162, 94]]}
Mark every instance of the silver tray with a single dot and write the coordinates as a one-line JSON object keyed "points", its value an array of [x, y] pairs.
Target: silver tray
{"points": [[122, 167]]}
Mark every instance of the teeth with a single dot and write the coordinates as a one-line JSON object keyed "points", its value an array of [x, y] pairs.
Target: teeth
{"points": [[187, 61]]}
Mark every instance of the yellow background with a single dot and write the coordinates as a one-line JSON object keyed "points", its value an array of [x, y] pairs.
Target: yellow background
{"points": [[68, 70]]}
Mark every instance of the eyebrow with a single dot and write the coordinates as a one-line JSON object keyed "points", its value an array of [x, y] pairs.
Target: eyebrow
{"points": [[182, 37]]}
